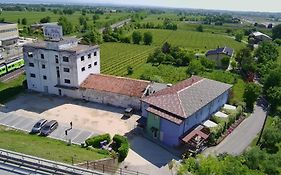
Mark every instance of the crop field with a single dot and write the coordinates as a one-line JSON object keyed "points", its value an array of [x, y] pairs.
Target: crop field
{"points": [[116, 57], [34, 17], [193, 40]]}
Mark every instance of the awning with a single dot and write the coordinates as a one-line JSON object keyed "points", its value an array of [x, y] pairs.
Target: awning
{"points": [[210, 124], [197, 136]]}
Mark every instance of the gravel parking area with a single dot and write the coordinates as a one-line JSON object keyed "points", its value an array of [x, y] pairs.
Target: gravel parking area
{"points": [[93, 117]]}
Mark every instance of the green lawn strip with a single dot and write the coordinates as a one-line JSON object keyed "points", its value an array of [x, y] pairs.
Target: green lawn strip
{"points": [[46, 148], [10, 89]]}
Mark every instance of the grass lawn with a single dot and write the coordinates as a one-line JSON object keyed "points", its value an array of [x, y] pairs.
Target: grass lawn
{"points": [[11, 89], [162, 73], [45, 147]]}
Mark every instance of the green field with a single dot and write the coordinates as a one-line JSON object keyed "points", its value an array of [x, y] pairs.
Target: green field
{"points": [[45, 147], [34, 17], [116, 57], [193, 40]]}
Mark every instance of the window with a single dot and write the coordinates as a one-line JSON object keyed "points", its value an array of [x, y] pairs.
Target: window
{"points": [[67, 81], [89, 55], [89, 66], [45, 77], [42, 56], [95, 63], [57, 60], [82, 58], [58, 72], [83, 69], [32, 75], [95, 53], [43, 66], [66, 69], [31, 64], [65, 59], [29, 54]]}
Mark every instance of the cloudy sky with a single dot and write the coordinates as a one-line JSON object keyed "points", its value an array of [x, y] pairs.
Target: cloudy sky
{"points": [[243, 5]]}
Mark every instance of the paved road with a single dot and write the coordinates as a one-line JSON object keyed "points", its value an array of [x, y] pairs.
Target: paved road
{"points": [[242, 136], [77, 136]]}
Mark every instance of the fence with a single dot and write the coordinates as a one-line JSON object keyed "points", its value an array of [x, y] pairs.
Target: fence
{"points": [[23, 162], [105, 168]]}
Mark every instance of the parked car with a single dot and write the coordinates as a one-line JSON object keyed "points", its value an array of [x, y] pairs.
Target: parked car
{"points": [[38, 126], [49, 127], [128, 112]]}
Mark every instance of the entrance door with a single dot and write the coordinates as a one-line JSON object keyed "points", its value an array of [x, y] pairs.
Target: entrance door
{"points": [[46, 90]]}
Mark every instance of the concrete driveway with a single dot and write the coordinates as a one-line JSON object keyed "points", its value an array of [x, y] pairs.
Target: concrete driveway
{"points": [[238, 141], [148, 157]]}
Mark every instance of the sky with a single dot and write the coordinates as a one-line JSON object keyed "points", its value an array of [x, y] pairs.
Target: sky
{"points": [[237, 5]]}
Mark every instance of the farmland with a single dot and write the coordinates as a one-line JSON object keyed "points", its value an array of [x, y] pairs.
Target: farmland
{"points": [[34, 17], [116, 57], [193, 40]]}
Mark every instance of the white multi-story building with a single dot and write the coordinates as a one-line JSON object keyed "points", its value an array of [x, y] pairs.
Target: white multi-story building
{"points": [[58, 66], [9, 34]]}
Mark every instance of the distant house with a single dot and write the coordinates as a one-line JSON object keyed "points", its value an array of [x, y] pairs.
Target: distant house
{"points": [[172, 113], [40, 26], [219, 53], [257, 37]]}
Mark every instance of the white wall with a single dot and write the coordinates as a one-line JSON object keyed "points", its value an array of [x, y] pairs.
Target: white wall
{"points": [[111, 98]]}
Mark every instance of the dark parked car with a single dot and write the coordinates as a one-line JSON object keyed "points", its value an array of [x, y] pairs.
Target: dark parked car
{"points": [[128, 112], [49, 127], [38, 126]]}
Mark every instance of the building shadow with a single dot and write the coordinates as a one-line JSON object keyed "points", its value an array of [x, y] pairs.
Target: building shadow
{"points": [[39, 103], [149, 150]]}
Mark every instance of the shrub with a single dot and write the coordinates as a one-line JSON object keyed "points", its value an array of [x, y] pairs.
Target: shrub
{"points": [[95, 141], [121, 146]]}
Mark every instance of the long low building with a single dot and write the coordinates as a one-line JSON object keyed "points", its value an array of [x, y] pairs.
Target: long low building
{"points": [[172, 112], [8, 33]]}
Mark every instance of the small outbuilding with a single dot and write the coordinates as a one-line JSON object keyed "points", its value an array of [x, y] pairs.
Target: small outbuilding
{"points": [[218, 54]]}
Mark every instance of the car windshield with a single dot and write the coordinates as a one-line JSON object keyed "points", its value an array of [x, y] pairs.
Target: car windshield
{"points": [[37, 125]]}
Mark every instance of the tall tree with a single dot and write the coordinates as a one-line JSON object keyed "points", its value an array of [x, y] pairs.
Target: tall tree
{"points": [[252, 92], [24, 21], [266, 51], [147, 38], [276, 32], [136, 37]]}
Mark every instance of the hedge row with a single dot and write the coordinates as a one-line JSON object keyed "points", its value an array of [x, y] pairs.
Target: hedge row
{"points": [[121, 146], [223, 125], [95, 141]]}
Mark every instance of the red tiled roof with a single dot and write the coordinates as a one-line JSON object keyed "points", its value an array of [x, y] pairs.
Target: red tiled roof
{"points": [[119, 85], [168, 98], [165, 115], [187, 97], [200, 131]]}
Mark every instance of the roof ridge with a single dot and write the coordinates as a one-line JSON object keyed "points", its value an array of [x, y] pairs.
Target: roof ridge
{"points": [[106, 75], [178, 92]]}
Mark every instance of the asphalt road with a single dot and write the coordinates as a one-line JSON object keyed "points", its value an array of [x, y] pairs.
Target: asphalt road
{"points": [[238, 141]]}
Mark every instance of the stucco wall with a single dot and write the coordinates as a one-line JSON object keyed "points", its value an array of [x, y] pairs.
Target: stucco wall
{"points": [[110, 98], [204, 114], [217, 58], [169, 132]]}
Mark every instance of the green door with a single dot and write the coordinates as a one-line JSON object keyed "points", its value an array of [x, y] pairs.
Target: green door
{"points": [[153, 126]]}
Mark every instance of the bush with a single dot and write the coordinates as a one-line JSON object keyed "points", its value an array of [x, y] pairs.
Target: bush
{"points": [[121, 146], [95, 141]]}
